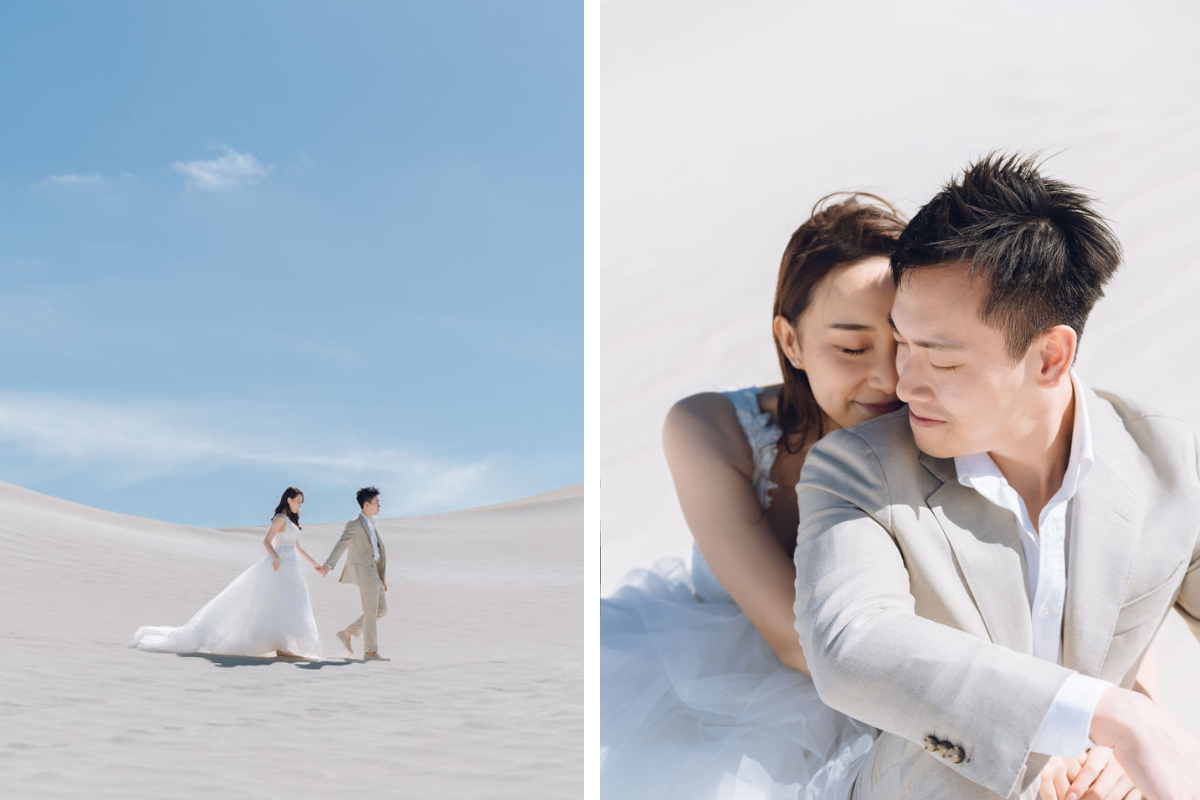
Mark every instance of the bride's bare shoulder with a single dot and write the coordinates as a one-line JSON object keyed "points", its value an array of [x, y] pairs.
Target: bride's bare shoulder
{"points": [[705, 427]]}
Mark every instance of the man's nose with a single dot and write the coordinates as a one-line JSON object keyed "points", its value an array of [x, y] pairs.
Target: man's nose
{"points": [[910, 382], [884, 375]]}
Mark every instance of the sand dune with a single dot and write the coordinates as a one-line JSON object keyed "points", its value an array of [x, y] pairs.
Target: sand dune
{"points": [[723, 123], [483, 696]]}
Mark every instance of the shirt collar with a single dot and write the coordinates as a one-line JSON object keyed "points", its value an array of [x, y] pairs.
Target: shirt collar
{"points": [[978, 471]]}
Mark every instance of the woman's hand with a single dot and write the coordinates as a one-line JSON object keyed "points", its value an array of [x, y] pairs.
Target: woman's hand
{"points": [[1101, 777], [275, 563], [324, 570], [1057, 776]]}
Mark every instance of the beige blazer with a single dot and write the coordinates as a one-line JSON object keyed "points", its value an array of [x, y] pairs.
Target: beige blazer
{"points": [[912, 609], [360, 563]]}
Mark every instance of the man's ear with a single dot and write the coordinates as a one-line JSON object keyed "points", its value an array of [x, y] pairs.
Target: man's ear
{"points": [[1056, 355], [789, 340]]}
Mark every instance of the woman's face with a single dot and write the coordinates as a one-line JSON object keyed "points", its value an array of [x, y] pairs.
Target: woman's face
{"points": [[294, 503], [844, 343]]}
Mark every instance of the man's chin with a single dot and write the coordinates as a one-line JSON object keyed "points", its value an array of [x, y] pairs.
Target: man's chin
{"points": [[934, 445]]}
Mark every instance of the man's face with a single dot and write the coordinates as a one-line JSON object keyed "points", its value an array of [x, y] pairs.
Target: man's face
{"points": [[964, 393], [371, 507]]}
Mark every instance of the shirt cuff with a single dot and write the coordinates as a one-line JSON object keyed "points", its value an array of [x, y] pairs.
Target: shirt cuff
{"points": [[1065, 730]]}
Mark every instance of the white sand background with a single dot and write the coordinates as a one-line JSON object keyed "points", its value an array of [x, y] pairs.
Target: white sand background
{"points": [[722, 123], [483, 696]]}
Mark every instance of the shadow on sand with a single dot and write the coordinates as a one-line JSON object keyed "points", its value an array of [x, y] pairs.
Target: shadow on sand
{"points": [[260, 661]]}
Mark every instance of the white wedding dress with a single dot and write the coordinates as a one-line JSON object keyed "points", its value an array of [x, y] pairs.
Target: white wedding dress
{"points": [[694, 704], [261, 611]]}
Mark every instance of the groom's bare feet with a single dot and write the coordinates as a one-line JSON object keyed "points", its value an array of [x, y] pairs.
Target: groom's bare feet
{"points": [[374, 656], [344, 638]]}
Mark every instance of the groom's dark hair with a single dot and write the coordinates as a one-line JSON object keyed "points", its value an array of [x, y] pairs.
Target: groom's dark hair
{"points": [[366, 495], [1043, 249]]}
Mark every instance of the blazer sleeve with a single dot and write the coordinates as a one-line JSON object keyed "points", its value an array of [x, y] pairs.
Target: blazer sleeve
{"points": [[1187, 603], [336, 553], [874, 659]]}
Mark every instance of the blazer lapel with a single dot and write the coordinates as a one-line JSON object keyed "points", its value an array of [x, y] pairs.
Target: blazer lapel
{"points": [[988, 550], [362, 521], [1102, 542]]}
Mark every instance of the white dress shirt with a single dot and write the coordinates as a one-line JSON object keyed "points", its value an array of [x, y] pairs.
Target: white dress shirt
{"points": [[374, 536], [1065, 730]]}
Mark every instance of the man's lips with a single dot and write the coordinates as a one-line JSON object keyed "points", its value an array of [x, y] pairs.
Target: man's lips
{"points": [[882, 408], [924, 422]]}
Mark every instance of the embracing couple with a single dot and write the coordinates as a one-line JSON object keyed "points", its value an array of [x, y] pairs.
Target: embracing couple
{"points": [[266, 609], [930, 562]]}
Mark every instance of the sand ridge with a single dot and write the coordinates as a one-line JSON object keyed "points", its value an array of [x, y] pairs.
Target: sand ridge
{"points": [[483, 696]]}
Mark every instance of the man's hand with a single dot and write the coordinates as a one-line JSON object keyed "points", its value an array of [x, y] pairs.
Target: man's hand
{"points": [[385, 586], [1160, 757], [324, 570]]}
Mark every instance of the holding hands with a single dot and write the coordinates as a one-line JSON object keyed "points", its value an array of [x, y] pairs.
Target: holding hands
{"points": [[1158, 754], [1096, 775], [324, 570]]}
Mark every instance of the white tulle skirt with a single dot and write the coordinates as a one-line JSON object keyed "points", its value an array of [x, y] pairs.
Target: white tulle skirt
{"points": [[261, 611], [695, 705]]}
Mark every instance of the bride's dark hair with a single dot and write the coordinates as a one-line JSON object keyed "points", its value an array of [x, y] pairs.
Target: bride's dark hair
{"points": [[839, 234], [285, 509]]}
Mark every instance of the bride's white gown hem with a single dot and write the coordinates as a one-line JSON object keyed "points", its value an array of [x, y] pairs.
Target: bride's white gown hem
{"points": [[261, 611]]}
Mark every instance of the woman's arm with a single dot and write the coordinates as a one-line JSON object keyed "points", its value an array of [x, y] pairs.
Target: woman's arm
{"points": [[1148, 682], [277, 525], [712, 466], [307, 557]]}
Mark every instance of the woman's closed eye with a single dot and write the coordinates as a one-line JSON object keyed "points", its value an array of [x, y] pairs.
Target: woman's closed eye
{"points": [[850, 352]]}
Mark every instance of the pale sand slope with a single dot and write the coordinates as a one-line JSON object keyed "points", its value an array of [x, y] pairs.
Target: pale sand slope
{"points": [[722, 124], [483, 697]]}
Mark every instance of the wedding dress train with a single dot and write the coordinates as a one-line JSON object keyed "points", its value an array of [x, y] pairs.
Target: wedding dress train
{"points": [[260, 611]]}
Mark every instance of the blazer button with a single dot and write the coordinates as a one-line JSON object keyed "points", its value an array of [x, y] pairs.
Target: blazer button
{"points": [[957, 755], [944, 748], [931, 743]]}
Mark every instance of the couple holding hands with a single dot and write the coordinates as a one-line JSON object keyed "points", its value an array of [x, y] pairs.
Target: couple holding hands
{"points": [[266, 609], [930, 563]]}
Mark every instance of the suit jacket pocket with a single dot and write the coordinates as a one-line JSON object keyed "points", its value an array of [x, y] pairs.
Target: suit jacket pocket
{"points": [[1150, 606]]}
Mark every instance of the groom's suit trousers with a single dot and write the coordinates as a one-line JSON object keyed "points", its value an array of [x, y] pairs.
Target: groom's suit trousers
{"points": [[363, 569], [911, 600], [374, 604]]}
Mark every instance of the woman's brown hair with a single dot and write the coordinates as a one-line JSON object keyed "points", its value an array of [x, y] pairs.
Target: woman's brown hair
{"points": [[285, 509], [838, 234]]}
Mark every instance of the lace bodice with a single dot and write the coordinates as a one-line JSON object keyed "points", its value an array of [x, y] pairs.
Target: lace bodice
{"points": [[288, 536], [763, 438]]}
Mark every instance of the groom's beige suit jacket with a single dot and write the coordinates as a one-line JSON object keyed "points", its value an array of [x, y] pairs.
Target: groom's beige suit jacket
{"points": [[360, 561], [911, 600]]}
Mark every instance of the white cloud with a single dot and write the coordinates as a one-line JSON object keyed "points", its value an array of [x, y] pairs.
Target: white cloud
{"points": [[72, 180], [229, 171], [130, 444]]}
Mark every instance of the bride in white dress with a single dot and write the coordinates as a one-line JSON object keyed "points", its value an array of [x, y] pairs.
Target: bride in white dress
{"points": [[705, 693], [264, 611]]}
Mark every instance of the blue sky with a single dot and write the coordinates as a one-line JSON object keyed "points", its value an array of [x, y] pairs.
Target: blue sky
{"points": [[253, 244]]}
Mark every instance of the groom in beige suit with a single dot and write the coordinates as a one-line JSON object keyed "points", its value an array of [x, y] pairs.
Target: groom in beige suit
{"points": [[366, 566], [981, 575]]}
